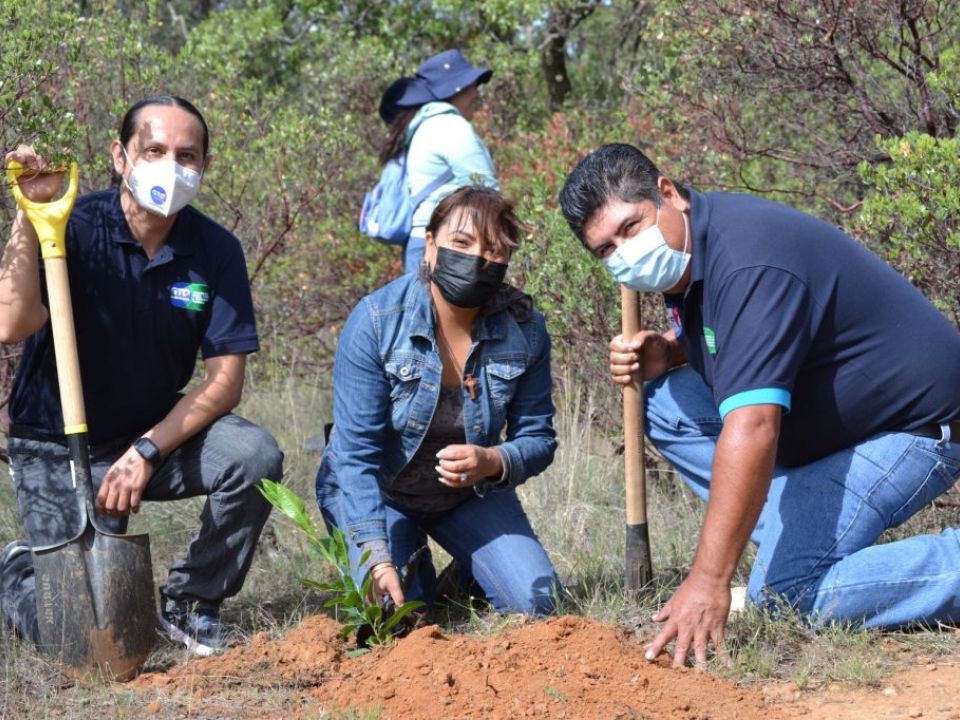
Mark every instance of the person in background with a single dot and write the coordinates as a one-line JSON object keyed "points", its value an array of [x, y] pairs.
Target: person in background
{"points": [[429, 117], [442, 407], [154, 283], [805, 390]]}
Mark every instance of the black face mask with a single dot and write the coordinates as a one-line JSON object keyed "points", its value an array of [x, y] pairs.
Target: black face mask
{"points": [[466, 281]]}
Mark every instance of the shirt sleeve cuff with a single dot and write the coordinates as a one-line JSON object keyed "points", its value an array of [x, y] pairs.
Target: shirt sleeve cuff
{"points": [[379, 552], [759, 396]]}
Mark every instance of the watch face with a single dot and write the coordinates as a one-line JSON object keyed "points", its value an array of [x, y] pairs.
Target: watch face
{"points": [[147, 449]]}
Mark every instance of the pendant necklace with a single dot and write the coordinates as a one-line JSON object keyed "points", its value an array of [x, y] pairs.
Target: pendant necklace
{"points": [[468, 381]]}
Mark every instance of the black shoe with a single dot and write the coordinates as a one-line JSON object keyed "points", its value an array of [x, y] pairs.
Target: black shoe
{"points": [[198, 628]]}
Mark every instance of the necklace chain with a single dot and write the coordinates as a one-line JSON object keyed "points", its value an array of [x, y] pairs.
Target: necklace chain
{"points": [[467, 380], [457, 365]]}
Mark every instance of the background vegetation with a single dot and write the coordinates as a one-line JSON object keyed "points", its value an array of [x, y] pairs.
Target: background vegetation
{"points": [[847, 110]]}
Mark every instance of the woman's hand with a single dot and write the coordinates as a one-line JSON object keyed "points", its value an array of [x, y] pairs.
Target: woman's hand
{"points": [[656, 352], [37, 182], [465, 465], [386, 581]]}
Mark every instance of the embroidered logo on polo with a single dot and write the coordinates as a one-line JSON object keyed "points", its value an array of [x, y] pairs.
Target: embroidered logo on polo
{"points": [[711, 339], [189, 296], [158, 195]]}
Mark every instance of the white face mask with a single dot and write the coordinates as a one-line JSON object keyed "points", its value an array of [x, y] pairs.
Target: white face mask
{"points": [[646, 263], [163, 187]]}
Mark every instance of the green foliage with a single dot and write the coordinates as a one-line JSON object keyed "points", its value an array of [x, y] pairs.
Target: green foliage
{"points": [[719, 94], [911, 212], [349, 598], [30, 56]]}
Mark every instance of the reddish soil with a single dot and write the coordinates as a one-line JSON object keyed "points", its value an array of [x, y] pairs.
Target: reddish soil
{"points": [[568, 667]]}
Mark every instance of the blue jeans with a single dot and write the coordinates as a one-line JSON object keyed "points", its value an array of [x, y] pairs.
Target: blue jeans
{"points": [[489, 537], [816, 533]]}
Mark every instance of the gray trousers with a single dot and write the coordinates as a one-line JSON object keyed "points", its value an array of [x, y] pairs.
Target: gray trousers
{"points": [[225, 462]]}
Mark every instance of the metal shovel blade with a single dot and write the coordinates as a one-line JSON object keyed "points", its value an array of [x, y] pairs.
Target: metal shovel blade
{"points": [[95, 603]]}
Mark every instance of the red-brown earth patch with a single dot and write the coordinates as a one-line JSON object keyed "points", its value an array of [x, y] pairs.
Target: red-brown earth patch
{"points": [[569, 668]]}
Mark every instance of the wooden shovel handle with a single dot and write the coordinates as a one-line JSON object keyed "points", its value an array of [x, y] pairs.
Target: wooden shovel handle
{"points": [[638, 564], [49, 219], [633, 418], [65, 346]]}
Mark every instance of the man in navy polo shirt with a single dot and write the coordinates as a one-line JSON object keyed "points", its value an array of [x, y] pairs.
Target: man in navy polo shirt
{"points": [[153, 283], [807, 391]]}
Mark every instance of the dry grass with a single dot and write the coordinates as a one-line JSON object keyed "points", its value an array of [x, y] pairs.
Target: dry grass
{"points": [[577, 508]]}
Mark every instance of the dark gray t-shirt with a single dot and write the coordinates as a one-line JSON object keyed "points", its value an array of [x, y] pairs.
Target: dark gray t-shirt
{"points": [[417, 487]]}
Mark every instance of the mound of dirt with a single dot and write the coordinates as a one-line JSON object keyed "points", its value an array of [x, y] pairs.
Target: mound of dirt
{"points": [[567, 667]]}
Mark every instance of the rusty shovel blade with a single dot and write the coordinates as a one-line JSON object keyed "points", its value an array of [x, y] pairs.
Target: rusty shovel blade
{"points": [[95, 603]]}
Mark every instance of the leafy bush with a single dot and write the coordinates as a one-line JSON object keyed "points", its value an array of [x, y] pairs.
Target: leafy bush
{"points": [[911, 213]]}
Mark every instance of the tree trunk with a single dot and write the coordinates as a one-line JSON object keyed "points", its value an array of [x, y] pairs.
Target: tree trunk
{"points": [[553, 59]]}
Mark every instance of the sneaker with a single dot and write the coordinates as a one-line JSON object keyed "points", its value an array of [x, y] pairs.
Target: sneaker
{"points": [[19, 609], [196, 627], [9, 555]]}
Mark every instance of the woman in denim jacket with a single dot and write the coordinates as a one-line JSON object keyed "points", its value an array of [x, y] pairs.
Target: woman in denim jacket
{"points": [[442, 408]]}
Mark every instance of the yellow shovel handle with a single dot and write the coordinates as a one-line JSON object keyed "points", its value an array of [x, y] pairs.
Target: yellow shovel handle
{"points": [[49, 219]]}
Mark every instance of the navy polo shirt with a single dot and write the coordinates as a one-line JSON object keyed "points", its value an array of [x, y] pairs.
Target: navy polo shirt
{"points": [[786, 309], [140, 323]]}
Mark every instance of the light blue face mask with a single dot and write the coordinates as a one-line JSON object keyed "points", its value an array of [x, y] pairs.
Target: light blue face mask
{"points": [[646, 263]]}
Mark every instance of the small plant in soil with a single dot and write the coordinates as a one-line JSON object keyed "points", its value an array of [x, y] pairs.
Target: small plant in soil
{"points": [[352, 601]]}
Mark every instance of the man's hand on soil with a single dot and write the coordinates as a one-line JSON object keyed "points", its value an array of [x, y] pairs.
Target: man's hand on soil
{"points": [[695, 617]]}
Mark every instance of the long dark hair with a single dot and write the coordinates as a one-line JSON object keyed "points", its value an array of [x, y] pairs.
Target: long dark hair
{"points": [[395, 141]]}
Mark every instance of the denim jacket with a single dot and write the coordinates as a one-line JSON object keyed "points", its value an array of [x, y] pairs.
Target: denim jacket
{"points": [[386, 384]]}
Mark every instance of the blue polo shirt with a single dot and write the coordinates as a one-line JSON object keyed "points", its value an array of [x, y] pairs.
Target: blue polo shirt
{"points": [[786, 309], [140, 323]]}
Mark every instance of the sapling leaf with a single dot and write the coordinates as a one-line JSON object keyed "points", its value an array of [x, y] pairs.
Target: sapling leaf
{"points": [[373, 614], [401, 612], [289, 503]]}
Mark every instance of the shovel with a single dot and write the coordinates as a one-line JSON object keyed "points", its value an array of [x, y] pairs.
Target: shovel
{"points": [[639, 569], [95, 595]]}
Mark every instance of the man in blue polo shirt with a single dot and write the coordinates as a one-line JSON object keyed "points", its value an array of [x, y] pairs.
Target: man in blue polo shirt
{"points": [[807, 391], [153, 283]]}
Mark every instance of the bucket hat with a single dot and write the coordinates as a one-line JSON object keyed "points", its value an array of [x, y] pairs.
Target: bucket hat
{"points": [[449, 72], [438, 78]]}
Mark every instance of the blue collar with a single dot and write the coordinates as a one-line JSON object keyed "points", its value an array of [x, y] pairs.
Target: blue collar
{"points": [[699, 223]]}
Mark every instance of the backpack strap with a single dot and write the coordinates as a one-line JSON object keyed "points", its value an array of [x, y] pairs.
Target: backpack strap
{"points": [[444, 178]]}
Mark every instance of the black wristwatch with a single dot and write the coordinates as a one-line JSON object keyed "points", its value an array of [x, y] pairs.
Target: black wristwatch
{"points": [[148, 450]]}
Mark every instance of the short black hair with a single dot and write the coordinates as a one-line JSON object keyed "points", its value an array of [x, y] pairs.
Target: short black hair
{"points": [[129, 124], [611, 172]]}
